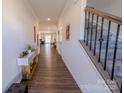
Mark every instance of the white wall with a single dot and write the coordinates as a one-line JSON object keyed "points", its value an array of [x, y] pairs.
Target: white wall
{"points": [[17, 32], [111, 6], [73, 54]]}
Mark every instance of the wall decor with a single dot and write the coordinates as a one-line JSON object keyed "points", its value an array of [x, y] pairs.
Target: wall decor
{"points": [[58, 33], [37, 40], [34, 34], [68, 32]]}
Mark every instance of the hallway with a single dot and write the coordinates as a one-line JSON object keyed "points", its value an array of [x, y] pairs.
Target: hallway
{"points": [[87, 35], [52, 76]]}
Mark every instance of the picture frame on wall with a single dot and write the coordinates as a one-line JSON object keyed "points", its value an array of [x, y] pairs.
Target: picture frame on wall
{"points": [[68, 32], [34, 34], [58, 33], [37, 40]]}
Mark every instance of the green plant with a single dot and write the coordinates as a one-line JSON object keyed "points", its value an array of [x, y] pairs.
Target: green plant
{"points": [[29, 47]]}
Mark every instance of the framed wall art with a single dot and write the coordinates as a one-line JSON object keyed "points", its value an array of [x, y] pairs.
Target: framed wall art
{"points": [[68, 32], [34, 34], [37, 40]]}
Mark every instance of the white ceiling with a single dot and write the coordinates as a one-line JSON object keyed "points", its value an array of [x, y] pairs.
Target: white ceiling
{"points": [[47, 9]]}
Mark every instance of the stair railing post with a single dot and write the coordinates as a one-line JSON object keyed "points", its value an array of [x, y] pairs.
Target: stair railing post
{"points": [[115, 50], [97, 19], [85, 29], [91, 31], [101, 40], [107, 44], [88, 28]]}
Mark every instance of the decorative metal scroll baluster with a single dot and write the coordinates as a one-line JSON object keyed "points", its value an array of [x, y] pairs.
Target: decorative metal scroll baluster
{"points": [[94, 52], [88, 28], [101, 39], [115, 50], [107, 44], [91, 31]]}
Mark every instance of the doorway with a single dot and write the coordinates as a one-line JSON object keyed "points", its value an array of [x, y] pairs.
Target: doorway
{"points": [[48, 39]]}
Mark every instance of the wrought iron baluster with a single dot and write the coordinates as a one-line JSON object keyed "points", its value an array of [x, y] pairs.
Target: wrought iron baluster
{"points": [[92, 39], [107, 44], [101, 39], [115, 50], [94, 52], [85, 29], [91, 31], [121, 89], [88, 28]]}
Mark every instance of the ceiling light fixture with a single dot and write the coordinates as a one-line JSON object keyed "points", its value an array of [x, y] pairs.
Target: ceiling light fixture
{"points": [[48, 19], [61, 28]]}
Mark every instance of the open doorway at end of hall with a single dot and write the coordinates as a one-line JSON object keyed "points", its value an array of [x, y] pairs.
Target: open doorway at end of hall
{"points": [[46, 38]]}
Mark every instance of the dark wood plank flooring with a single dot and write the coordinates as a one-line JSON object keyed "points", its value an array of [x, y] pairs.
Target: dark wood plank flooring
{"points": [[51, 75]]}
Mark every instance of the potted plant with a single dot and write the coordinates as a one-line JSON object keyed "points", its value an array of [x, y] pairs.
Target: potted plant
{"points": [[29, 48]]}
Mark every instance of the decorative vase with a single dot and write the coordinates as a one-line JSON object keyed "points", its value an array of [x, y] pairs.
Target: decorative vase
{"points": [[29, 51]]}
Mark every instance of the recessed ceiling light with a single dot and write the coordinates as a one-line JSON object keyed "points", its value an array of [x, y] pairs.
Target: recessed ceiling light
{"points": [[48, 19], [61, 28]]}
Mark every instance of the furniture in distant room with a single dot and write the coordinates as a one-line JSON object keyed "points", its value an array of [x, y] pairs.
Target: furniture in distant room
{"points": [[42, 41]]}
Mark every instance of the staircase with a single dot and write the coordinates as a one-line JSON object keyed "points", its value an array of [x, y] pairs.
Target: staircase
{"points": [[104, 44]]}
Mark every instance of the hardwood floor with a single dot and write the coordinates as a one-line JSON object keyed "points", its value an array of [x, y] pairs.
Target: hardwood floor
{"points": [[52, 76]]}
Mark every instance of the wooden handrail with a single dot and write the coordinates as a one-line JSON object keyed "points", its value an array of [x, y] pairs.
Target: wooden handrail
{"points": [[108, 16]]}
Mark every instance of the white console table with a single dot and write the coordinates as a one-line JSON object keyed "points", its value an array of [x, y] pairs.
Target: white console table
{"points": [[28, 64]]}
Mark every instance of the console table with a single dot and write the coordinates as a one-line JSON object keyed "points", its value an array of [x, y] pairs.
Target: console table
{"points": [[28, 64]]}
